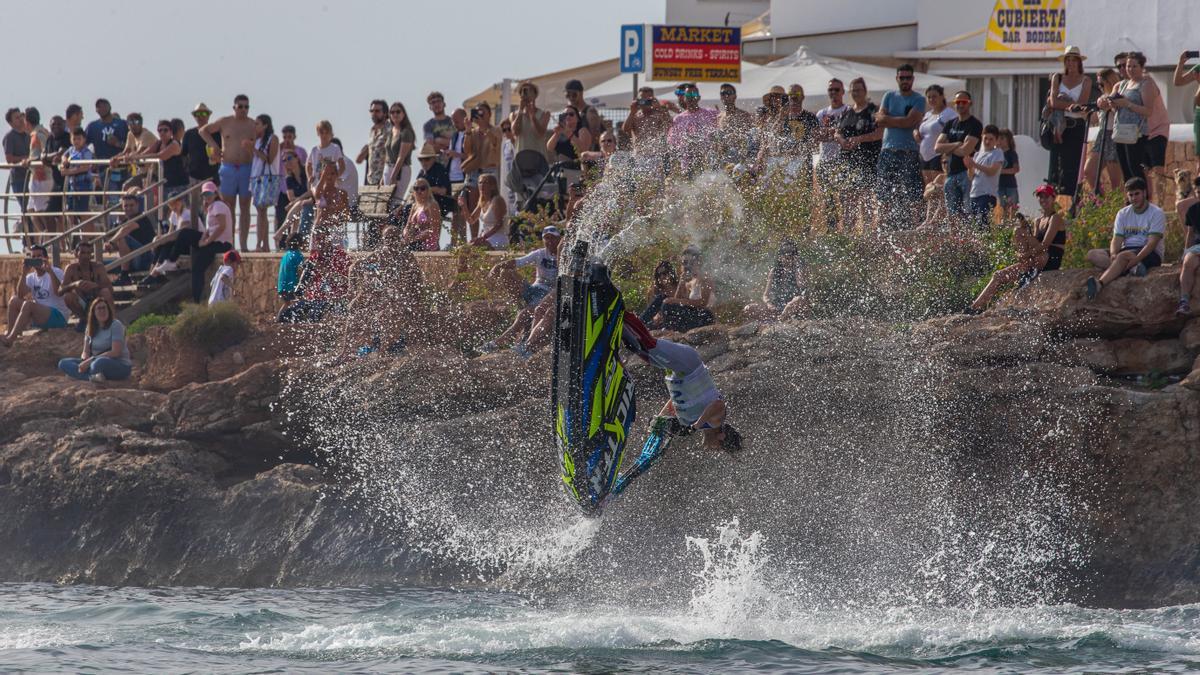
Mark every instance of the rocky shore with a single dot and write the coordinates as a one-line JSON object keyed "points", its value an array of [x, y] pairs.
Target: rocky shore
{"points": [[202, 470]]}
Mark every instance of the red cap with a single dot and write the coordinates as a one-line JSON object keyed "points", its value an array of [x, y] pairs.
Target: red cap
{"points": [[1045, 189], [231, 256]]}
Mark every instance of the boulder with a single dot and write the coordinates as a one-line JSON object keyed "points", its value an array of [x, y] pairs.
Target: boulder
{"points": [[1133, 356], [1127, 307], [170, 363]]}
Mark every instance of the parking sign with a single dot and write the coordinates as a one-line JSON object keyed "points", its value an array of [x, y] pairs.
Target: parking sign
{"points": [[633, 48]]}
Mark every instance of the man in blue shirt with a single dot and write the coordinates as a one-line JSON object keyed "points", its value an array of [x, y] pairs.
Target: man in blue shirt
{"points": [[898, 173], [107, 138]]}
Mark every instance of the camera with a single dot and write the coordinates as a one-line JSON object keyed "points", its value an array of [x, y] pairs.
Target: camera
{"points": [[32, 262], [562, 118], [1192, 54], [474, 113], [645, 102]]}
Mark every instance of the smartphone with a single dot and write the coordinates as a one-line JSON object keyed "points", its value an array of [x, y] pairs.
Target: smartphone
{"points": [[1192, 54], [32, 262], [1115, 96]]}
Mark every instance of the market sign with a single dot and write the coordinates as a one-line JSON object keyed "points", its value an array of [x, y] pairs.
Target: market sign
{"points": [[1027, 25], [696, 53]]}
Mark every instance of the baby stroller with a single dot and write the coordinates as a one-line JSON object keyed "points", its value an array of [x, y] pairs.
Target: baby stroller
{"points": [[536, 182]]}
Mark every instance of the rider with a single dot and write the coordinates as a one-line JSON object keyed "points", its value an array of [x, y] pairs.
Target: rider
{"points": [[695, 405]]}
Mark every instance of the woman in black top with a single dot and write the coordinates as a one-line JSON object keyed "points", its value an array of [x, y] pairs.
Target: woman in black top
{"points": [[861, 140], [169, 153], [1040, 248], [569, 140], [782, 298]]}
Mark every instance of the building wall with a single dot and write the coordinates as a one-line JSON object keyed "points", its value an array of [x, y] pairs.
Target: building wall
{"points": [[940, 20], [873, 46], [713, 12], [809, 17]]}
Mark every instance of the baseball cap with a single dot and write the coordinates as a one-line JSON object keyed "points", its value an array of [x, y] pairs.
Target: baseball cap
{"points": [[551, 230], [209, 187], [1045, 189], [573, 85], [231, 256]]}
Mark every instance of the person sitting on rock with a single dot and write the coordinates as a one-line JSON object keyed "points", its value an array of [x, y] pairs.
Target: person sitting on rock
{"points": [[1137, 241], [532, 296], [83, 281], [1039, 248], [663, 286], [783, 297], [105, 353], [690, 307], [38, 299], [387, 307], [1191, 258]]}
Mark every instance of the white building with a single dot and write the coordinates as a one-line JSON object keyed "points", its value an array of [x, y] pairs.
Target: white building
{"points": [[948, 37]]}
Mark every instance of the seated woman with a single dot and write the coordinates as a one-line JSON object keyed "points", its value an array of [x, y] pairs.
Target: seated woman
{"points": [[491, 211], [666, 280], [387, 306], [783, 297], [690, 306], [179, 240], [105, 354], [424, 221], [1040, 248]]}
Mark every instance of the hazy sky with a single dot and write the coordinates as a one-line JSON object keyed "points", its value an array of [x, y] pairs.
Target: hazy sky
{"points": [[298, 61]]}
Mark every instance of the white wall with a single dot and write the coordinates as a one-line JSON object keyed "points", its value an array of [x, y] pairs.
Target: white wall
{"points": [[805, 17], [712, 12], [941, 20]]}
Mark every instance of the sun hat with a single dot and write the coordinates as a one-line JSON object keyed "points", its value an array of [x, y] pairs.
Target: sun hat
{"points": [[1072, 50], [208, 187], [201, 108], [428, 151], [551, 231]]}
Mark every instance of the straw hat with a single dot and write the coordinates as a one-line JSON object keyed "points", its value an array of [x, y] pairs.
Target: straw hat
{"points": [[428, 151], [201, 108], [1072, 50]]}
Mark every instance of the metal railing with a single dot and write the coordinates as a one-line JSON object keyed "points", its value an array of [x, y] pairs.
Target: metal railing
{"points": [[106, 195]]}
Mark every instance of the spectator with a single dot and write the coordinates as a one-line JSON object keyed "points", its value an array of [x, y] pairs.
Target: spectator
{"points": [[1106, 81], [530, 295], [169, 153], [783, 297], [490, 215], [608, 155], [589, 118], [529, 123], [266, 174], [1191, 256], [1009, 195], [185, 234], [348, 179], [37, 301], [57, 145], [1068, 88], [437, 177], [1039, 249], [374, 153], [137, 141], [235, 152], [1142, 122], [137, 230], [959, 139], [201, 166], [330, 214], [425, 219], [829, 165], [287, 143], [289, 270], [508, 151], [1119, 63], [647, 124], [662, 286], [83, 281], [935, 199], [937, 115], [986, 165], [569, 141], [16, 151], [74, 116], [388, 305], [1182, 76], [216, 239], [107, 138], [105, 353], [575, 197], [859, 139], [295, 187], [222, 282], [1137, 241], [398, 152], [795, 138], [40, 178], [482, 149], [733, 128], [690, 307], [459, 192], [78, 176], [325, 152], [439, 130], [899, 170]]}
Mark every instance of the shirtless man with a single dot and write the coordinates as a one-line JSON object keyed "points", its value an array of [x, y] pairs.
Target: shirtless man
{"points": [[83, 281], [647, 123], [1183, 75], [237, 137]]}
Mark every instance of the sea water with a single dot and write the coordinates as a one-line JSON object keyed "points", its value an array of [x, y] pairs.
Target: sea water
{"points": [[84, 628]]}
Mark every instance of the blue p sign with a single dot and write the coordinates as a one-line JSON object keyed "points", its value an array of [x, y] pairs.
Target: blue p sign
{"points": [[633, 51]]}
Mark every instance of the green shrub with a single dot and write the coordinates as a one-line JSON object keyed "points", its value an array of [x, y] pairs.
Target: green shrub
{"points": [[148, 321], [212, 328], [1091, 227]]}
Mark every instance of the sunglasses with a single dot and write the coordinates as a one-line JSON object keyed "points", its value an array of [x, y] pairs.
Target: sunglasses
{"points": [[692, 94], [796, 97], [162, 129], [375, 110], [728, 92], [420, 188], [681, 92], [242, 106], [958, 103], [904, 78]]}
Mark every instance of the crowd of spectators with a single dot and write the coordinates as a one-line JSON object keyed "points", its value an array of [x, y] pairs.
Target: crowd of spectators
{"points": [[869, 166]]}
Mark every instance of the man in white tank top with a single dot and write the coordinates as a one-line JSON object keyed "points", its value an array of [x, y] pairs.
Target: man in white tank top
{"points": [[695, 404]]}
